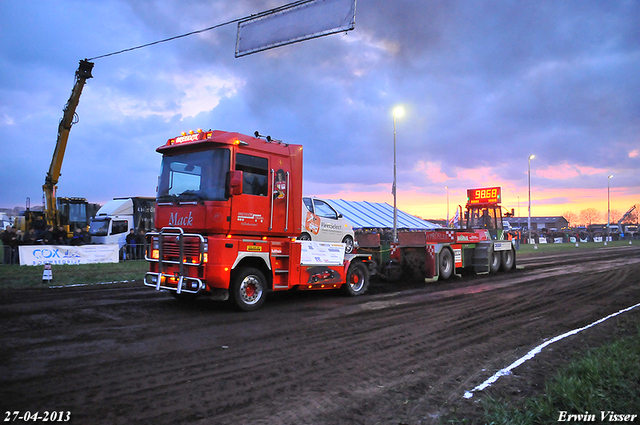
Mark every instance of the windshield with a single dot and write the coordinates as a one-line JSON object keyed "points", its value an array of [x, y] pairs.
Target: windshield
{"points": [[194, 176], [485, 218], [99, 227]]}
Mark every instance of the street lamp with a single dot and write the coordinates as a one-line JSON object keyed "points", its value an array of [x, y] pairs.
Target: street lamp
{"points": [[608, 207], [447, 187], [529, 222], [397, 113]]}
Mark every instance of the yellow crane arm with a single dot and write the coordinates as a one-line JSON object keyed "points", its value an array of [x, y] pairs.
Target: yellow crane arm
{"points": [[49, 188]]}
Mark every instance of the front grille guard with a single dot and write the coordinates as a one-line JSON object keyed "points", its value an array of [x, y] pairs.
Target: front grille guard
{"points": [[165, 243]]}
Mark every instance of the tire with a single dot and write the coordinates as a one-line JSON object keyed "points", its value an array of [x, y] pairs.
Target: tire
{"points": [[348, 241], [249, 289], [508, 260], [304, 237], [357, 279], [446, 265], [494, 261]]}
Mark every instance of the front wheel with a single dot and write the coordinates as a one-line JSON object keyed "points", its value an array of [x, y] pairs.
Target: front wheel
{"points": [[357, 280], [494, 261], [249, 289], [304, 237], [508, 260]]}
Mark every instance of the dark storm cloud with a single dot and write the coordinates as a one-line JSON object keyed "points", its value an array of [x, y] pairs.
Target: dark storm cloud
{"points": [[484, 85]]}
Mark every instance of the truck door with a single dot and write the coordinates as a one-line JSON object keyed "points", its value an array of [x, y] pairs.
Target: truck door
{"points": [[262, 206]]}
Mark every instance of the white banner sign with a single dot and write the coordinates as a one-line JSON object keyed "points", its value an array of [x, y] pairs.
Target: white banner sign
{"points": [[295, 22], [322, 253], [38, 255]]}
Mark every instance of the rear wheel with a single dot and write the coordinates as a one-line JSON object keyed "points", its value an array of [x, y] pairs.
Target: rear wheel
{"points": [[494, 261], [304, 237], [508, 260], [249, 289], [446, 264], [357, 279]]}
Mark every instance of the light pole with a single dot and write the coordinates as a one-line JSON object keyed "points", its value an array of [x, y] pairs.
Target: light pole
{"points": [[447, 187], [529, 221], [608, 207], [397, 113]]}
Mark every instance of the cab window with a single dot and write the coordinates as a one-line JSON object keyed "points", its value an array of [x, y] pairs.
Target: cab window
{"points": [[255, 172], [323, 209], [308, 204], [119, 226]]}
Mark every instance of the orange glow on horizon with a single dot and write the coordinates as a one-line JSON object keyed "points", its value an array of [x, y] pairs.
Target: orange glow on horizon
{"points": [[544, 202]]}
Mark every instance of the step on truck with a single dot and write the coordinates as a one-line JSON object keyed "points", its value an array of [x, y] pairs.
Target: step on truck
{"points": [[229, 207], [480, 246]]}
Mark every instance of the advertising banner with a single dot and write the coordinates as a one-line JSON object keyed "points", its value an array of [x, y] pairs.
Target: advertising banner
{"points": [[38, 255], [322, 253]]}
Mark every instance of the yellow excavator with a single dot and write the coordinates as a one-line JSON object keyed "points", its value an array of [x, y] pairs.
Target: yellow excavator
{"points": [[70, 213]]}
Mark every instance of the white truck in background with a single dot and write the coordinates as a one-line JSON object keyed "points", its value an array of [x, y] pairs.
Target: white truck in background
{"points": [[117, 217]]}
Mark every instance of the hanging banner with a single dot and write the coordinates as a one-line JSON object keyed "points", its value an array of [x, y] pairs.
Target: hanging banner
{"points": [[38, 255], [294, 22]]}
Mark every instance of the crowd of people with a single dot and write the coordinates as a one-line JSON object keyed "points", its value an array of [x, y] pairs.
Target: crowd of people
{"points": [[39, 234], [134, 248]]}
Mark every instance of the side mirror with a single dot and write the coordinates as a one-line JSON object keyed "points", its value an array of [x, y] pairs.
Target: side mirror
{"points": [[234, 182]]}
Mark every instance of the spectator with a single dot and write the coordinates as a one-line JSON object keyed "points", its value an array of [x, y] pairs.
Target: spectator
{"points": [[140, 243], [59, 236], [40, 226], [86, 236], [7, 237], [131, 244], [29, 238], [46, 237], [78, 238]]}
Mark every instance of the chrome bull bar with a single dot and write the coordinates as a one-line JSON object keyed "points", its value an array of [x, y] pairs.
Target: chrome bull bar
{"points": [[172, 246]]}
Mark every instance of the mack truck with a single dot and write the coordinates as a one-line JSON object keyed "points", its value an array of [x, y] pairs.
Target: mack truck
{"points": [[230, 206], [117, 217]]}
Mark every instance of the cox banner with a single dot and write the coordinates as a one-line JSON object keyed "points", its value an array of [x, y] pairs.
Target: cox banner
{"points": [[38, 255]]}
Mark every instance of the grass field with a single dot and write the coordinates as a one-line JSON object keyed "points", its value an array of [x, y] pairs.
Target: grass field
{"points": [[602, 383], [63, 275], [545, 248]]}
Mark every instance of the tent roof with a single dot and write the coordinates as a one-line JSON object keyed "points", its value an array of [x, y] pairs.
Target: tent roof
{"points": [[362, 214]]}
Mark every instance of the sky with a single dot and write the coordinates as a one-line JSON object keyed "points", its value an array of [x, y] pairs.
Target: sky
{"points": [[484, 85]]}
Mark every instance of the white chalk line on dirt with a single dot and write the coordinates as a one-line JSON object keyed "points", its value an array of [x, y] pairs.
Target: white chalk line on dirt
{"points": [[90, 284], [531, 354]]}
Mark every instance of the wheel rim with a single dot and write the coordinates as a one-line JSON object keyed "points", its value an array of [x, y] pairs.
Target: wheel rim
{"points": [[356, 281], [349, 245], [304, 237], [446, 263], [250, 290]]}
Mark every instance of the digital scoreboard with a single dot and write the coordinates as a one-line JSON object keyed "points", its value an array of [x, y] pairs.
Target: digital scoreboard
{"points": [[483, 196]]}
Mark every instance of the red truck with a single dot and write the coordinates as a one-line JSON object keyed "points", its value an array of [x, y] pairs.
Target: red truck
{"points": [[230, 207]]}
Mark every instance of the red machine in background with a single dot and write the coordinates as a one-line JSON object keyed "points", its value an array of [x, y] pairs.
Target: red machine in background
{"points": [[439, 253]]}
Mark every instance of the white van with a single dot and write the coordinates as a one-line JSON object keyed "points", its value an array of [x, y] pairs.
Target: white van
{"points": [[322, 222]]}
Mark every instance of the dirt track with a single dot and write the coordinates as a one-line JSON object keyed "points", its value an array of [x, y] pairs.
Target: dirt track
{"points": [[126, 354]]}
